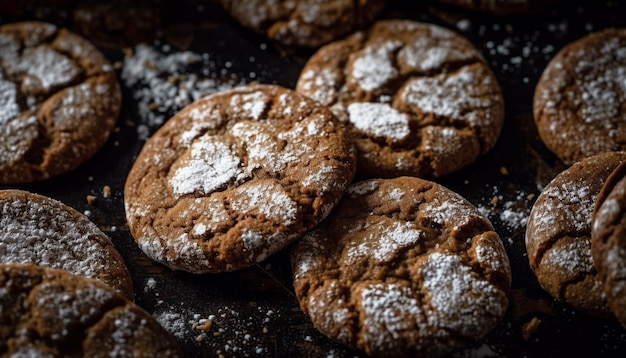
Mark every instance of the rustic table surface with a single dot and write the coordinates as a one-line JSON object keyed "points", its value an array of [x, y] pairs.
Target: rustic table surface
{"points": [[191, 48]]}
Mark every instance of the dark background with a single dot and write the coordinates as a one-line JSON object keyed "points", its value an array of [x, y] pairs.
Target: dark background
{"points": [[253, 312]]}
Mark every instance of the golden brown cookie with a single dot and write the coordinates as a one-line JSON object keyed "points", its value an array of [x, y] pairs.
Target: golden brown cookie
{"points": [[59, 101], [558, 234], [580, 98], [235, 177], [418, 99], [402, 267], [53, 313], [43, 231], [303, 23], [608, 241]]}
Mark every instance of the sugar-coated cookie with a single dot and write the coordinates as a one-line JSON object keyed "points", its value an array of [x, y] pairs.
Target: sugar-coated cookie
{"points": [[580, 98], [53, 313], [235, 177], [402, 267], [43, 231], [419, 99], [59, 101], [303, 23], [558, 234]]}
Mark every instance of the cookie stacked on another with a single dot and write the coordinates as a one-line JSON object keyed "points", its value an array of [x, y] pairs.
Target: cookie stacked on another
{"points": [[419, 99]]}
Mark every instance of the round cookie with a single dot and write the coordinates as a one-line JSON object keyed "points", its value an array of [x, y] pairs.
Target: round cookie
{"points": [[579, 100], [418, 99], [303, 23], [402, 267], [235, 177], [501, 7], [608, 241], [43, 231], [59, 101], [54, 313], [558, 234]]}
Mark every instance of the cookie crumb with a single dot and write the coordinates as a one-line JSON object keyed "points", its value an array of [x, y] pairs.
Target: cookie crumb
{"points": [[91, 199], [106, 191], [494, 200], [199, 338], [204, 325], [530, 327], [504, 171]]}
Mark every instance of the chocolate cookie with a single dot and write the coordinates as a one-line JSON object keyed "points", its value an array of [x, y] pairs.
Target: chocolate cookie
{"points": [[402, 267], [580, 98], [608, 241], [418, 99], [236, 176], [53, 313], [43, 231], [303, 23], [501, 7], [59, 101], [558, 234]]}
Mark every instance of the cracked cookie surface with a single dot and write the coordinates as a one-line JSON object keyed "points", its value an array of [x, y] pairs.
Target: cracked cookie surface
{"points": [[235, 177], [579, 105], [402, 267], [558, 234], [59, 101], [303, 23], [53, 313], [418, 99], [43, 231]]}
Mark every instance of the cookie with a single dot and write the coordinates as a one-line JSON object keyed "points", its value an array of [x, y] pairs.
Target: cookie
{"points": [[402, 267], [558, 234], [53, 313], [43, 231], [608, 241], [579, 101], [419, 99], [235, 177], [501, 7], [303, 23], [59, 101]]}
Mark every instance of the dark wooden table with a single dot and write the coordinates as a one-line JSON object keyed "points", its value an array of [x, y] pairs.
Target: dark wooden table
{"points": [[253, 312]]}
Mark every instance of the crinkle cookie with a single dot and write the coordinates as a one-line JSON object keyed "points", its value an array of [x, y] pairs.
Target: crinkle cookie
{"points": [[53, 313], [235, 177], [558, 234], [419, 99], [59, 101], [580, 98], [402, 267], [303, 23], [43, 231], [608, 241]]}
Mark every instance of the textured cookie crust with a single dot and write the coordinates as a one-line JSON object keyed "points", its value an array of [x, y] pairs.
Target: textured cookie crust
{"points": [[236, 176], [303, 23], [558, 234], [53, 313], [608, 241], [419, 99], [59, 101], [502, 7], [402, 267], [580, 100], [43, 231]]}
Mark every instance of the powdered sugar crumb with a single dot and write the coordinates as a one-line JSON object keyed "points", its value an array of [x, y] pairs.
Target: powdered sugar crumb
{"points": [[380, 120]]}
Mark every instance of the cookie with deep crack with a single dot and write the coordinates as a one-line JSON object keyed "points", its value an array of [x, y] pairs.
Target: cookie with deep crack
{"points": [[59, 101], [419, 99], [579, 101], [53, 313], [558, 234], [235, 177], [43, 231], [402, 267], [303, 23], [608, 241]]}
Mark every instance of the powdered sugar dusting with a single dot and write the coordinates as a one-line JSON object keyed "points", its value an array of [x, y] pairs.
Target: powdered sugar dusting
{"points": [[570, 258], [455, 209], [374, 67], [45, 68], [268, 199], [384, 247], [179, 248], [211, 165], [8, 101], [379, 120]]}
